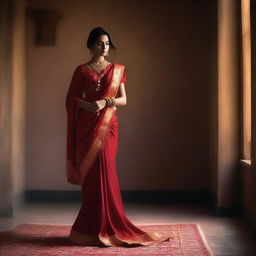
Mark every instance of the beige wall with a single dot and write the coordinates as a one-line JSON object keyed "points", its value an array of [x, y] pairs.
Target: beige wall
{"points": [[12, 104], [18, 97], [169, 49]]}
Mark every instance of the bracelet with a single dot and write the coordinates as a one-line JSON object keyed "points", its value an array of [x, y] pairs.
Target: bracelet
{"points": [[106, 102], [110, 102]]}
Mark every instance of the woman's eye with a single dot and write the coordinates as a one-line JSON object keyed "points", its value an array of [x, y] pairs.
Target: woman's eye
{"points": [[102, 43]]}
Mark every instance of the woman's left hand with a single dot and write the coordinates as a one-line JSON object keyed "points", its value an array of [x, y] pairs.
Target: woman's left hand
{"points": [[99, 105]]}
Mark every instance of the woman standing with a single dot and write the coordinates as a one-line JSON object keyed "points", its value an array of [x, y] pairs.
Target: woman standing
{"points": [[97, 88]]}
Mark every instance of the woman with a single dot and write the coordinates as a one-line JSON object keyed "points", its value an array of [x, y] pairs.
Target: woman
{"points": [[97, 88]]}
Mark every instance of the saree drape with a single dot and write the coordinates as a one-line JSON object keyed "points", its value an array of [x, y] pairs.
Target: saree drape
{"points": [[92, 142], [87, 127]]}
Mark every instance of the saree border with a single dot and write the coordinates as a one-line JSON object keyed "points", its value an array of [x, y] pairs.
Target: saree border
{"points": [[148, 238]]}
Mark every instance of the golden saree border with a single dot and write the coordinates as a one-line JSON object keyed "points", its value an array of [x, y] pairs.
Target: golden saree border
{"points": [[98, 142], [148, 238]]}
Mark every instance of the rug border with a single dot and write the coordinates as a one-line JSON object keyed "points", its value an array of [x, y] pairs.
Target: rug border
{"points": [[206, 243], [200, 230]]}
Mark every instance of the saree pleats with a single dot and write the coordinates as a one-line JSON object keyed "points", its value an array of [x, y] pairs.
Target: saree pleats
{"points": [[102, 219]]}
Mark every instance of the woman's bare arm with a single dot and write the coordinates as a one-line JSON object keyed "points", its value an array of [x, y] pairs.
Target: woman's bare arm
{"points": [[121, 100], [96, 106]]}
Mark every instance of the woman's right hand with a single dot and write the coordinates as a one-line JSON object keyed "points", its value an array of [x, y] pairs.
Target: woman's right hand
{"points": [[89, 106]]}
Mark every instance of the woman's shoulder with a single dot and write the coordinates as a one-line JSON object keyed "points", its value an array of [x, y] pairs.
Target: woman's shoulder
{"points": [[78, 67], [81, 68]]}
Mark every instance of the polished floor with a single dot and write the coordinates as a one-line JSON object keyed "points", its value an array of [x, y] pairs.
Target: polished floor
{"points": [[227, 236]]}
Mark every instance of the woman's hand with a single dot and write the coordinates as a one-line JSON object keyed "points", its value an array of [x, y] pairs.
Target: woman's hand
{"points": [[95, 107], [99, 105]]}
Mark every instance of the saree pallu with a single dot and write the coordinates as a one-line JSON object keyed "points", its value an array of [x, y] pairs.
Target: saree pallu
{"points": [[101, 219]]}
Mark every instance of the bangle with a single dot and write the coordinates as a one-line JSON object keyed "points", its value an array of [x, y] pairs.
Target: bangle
{"points": [[110, 102], [106, 102]]}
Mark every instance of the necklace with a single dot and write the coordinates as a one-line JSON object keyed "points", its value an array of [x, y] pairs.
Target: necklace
{"points": [[99, 67], [98, 63]]}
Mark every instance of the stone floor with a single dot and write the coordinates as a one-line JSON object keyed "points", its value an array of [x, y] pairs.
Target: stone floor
{"points": [[227, 236]]}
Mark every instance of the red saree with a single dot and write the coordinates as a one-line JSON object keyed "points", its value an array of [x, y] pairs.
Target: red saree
{"points": [[91, 162]]}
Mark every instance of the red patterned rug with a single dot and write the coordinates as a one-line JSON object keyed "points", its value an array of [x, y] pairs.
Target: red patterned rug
{"points": [[52, 240]]}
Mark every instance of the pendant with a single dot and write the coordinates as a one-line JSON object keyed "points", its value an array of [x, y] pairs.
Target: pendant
{"points": [[98, 82]]}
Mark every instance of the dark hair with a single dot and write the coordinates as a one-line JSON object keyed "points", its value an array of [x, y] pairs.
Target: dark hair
{"points": [[95, 33]]}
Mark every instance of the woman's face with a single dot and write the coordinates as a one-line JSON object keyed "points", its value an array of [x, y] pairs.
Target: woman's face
{"points": [[101, 46]]}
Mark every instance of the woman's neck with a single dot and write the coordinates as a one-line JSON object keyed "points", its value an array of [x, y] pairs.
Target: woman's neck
{"points": [[97, 59]]}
